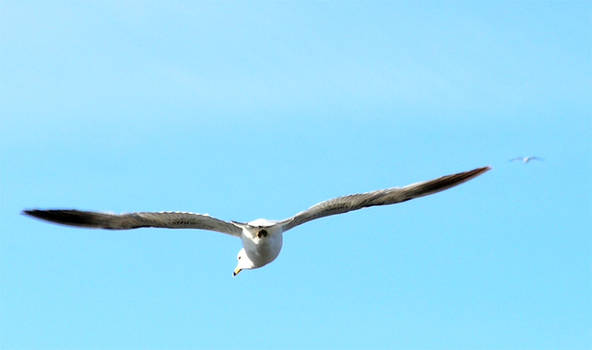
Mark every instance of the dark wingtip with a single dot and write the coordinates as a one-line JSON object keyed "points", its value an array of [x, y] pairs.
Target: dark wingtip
{"points": [[49, 215], [37, 213], [446, 182], [467, 175], [62, 216], [473, 173], [30, 212], [483, 169]]}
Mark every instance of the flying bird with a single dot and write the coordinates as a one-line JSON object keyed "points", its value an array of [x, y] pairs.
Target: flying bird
{"points": [[525, 159], [261, 238]]}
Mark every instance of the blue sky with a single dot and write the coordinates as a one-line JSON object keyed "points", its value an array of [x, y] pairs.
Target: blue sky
{"points": [[261, 110]]}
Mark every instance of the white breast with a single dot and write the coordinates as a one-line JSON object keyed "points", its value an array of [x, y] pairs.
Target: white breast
{"points": [[262, 251]]}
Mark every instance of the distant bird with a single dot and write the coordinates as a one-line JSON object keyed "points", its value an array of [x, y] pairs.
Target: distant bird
{"points": [[261, 238], [525, 159]]}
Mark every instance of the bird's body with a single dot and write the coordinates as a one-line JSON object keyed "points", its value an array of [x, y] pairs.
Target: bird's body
{"points": [[262, 242], [262, 239]]}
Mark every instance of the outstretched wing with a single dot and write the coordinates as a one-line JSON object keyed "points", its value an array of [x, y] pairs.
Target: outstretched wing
{"points": [[382, 197], [134, 220]]}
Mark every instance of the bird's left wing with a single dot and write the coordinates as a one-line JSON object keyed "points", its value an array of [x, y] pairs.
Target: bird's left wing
{"points": [[135, 220], [381, 197]]}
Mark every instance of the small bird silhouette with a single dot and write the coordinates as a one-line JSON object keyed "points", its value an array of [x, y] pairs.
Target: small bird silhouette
{"points": [[526, 159]]}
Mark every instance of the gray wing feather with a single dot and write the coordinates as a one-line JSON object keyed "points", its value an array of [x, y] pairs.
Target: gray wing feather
{"points": [[381, 197], [135, 220]]}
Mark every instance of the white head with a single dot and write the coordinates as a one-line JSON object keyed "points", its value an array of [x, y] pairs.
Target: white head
{"points": [[244, 263]]}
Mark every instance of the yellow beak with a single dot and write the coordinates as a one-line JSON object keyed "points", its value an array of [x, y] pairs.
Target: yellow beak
{"points": [[236, 271]]}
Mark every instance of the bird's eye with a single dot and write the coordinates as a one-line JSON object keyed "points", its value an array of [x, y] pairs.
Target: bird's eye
{"points": [[239, 257]]}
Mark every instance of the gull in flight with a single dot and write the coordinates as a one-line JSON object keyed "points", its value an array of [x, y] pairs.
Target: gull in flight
{"points": [[261, 238], [525, 159]]}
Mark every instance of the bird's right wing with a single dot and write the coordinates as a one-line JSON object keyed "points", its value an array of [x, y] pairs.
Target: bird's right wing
{"points": [[381, 197], [135, 220]]}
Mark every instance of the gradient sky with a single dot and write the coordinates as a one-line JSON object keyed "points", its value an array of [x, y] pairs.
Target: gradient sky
{"points": [[261, 110]]}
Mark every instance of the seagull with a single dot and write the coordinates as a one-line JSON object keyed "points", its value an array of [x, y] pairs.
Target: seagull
{"points": [[261, 238], [525, 159]]}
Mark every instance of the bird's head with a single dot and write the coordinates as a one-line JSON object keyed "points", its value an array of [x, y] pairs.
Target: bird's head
{"points": [[243, 262]]}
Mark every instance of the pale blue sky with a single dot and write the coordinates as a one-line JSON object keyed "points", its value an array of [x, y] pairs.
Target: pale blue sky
{"points": [[261, 110]]}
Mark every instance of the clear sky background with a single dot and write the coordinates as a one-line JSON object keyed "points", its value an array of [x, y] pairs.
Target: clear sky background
{"points": [[247, 110]]}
